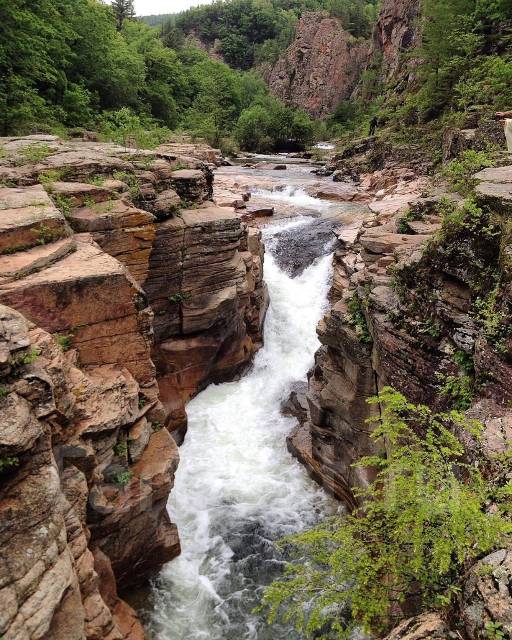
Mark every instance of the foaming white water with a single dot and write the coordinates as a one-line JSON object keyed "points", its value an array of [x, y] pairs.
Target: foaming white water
{"points": [[295, 196], [237, 488], [329, 146]]}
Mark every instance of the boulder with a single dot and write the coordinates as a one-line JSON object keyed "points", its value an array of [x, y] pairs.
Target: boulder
{"points": [[486, 598]]}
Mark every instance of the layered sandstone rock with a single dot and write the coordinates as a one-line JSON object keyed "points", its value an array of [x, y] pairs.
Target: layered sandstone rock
{"points": [[413, 292], [91, 234], [206, 287], [58, 441], [320, 68], [416, 311]]}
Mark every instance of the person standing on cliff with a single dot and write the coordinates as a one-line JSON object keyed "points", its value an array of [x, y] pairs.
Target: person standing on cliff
{"points": [[373, 125]]}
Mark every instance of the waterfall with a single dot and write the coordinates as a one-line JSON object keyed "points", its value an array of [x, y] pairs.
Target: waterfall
{"points": [[237, 489]]}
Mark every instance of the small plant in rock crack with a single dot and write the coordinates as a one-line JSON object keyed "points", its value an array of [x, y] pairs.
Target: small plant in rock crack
{"points": [[63, 204], [123, 478], [142, 402], [178, 298], [495, 631], [121, 449], [64, 342], [7, 463], [357, 319], [458, 389], [28, 358], [3, 392], [157, 426]]}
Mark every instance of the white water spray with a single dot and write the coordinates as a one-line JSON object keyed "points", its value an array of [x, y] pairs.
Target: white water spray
{"points": [[237, 488], [295, 196]]}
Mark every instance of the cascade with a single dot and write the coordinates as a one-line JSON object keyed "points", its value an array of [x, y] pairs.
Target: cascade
{"points": [[237, 489]]}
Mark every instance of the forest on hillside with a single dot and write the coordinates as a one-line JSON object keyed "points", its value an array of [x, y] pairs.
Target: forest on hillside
{"points": [[80, 63]]}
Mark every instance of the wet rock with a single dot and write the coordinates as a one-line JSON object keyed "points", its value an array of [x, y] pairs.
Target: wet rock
{"points": [[296, 249]]}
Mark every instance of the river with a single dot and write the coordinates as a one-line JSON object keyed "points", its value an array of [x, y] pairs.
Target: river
{"points": [[237, 488]]}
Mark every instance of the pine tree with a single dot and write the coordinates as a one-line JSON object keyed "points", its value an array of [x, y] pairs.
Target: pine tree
{"points": [[123, 10]]}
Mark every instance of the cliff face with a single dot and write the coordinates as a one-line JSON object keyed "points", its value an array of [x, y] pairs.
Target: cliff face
{"points": [[396, 33], [421, 302], [320, 68], [111, 274]]}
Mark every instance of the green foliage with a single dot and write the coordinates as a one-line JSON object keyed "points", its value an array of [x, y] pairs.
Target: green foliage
{"points": [[269, 125], [357, 318], [63, 203], [28, 358], [458, 390], [424, 518], [178, 298], [64, 342], [493, 317], [123, 10], [251, 31], [464, 360], [121, 449], [34, 153], [495, 631], [464, 216], [460, 171], [123, 478], [7, 463]]}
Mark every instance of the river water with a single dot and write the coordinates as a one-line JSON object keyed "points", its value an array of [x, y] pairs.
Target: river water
{"points": [[237, 488]]}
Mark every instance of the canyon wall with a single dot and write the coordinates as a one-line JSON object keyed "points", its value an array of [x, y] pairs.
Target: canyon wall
{"points": [[123, 291], [320, 68], [421, 302], [397, 31]]}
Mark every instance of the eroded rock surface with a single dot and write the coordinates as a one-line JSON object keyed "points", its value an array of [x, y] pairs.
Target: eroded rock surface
{"points": [[320, 68], [62, 432], [103, 249]]}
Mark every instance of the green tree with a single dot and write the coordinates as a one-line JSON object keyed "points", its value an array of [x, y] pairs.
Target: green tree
{"points": [[123, 10], [423, 518]]}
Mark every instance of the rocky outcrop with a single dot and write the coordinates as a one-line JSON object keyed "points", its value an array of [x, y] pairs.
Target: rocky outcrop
{"points": [[421, 302], [112, 273], [61, 443], [320, 68], [206, 287], [397, 32]]}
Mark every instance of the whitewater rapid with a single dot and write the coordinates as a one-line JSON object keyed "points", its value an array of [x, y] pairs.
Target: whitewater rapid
{"points": [[237, 488]]}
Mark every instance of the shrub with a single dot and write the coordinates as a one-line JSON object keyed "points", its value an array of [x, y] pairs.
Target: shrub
{"points": [[460, 171], [131, 130], [121, 449], [459, 391], [123, 478], [357, 319], [424, 517], [64, 342]]}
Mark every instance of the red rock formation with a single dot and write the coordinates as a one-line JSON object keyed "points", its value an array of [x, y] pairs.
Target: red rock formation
{"points": [[396, 33], [84, 452], [320, 68], [417, 308], [56, 448]]}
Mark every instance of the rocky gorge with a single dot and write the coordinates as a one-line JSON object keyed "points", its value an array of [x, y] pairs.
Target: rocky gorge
{"points": [[104, 339], [131, 281]]}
